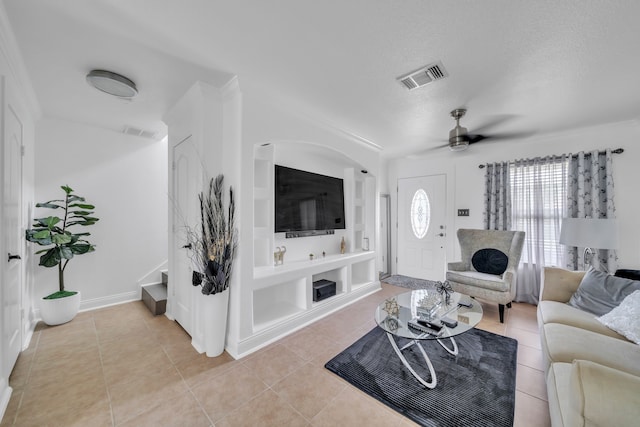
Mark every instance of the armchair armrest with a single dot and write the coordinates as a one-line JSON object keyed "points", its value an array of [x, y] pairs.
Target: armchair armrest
{"points": [[458, 266], [559, 284], [603, 396]]}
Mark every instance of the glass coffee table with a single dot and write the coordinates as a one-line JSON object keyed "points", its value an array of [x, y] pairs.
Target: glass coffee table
{"points": [[416, 315]]}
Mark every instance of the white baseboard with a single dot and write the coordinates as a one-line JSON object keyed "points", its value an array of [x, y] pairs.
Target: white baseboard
{"points": [[5, 396]]}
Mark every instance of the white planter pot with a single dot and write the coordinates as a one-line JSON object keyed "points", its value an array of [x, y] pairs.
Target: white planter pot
{"points": [[60, 310], [214, 317]]}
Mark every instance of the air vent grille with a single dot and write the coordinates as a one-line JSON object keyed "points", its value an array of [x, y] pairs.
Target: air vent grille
{"points": [[130, 130], [424, 75]]}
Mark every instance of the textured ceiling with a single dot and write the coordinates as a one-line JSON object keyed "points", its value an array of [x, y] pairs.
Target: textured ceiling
{"points": [[529, 66]]}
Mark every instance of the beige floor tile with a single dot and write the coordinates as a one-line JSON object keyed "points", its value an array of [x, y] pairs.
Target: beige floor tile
{"points": [[182, 411], [309, 389], [180, 350], [350, 407], [12, 409], [305, 344], [531, 357], [131, 398], [266, 409], [202, 368], [97, 414], [531, 411], [274, 364], [531, 381], [530, 339], [226, 392]]}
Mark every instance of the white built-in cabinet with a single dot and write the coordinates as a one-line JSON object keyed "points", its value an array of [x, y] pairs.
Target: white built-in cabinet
{"points": [[281, 297]]}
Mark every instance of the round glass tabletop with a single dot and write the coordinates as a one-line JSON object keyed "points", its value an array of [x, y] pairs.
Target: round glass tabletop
{"points": [[410, 314]]}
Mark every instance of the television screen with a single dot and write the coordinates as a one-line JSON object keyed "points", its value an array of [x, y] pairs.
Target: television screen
{"points": [[307, 201]]}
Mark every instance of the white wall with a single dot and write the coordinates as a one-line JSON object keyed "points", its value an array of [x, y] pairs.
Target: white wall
{"points": [[465, 181], [125, 177]]}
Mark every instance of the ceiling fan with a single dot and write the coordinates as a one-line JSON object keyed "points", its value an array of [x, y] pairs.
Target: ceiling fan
{"points": [[460, 138]]}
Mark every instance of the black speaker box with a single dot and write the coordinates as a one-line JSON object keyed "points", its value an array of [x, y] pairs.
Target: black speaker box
{"points": [[323, 289]]}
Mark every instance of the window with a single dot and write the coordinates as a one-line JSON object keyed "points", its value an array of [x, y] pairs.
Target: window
{"points": [[538, 204], [420, 213]]}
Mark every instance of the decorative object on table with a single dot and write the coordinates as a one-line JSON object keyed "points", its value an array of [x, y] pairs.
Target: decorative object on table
{"points": [[311, 256], [428, 304], [590, 234], [445, 289], [323, 254], [62, 306], [392, 323], [371, 365], [391, 307], [343, 245], [214, 245]]}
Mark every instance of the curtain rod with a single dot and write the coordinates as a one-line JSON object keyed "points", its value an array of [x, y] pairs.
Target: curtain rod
{"points": [[616, 151]]}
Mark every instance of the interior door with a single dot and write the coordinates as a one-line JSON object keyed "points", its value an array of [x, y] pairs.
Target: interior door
{"points": [[187, 180], [12, 230], [421, 227]]}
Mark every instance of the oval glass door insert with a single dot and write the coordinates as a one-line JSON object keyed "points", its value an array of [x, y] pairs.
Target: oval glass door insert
{"points": [[420, 213]]}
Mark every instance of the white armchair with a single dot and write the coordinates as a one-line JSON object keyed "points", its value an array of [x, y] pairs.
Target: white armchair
{"points": [[488, 266]]}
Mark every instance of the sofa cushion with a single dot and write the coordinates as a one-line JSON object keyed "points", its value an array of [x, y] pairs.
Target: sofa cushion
{"points": [[600, 292], [482, 280], [558, 312], [558, 390], [490, 261], [562, 343], [625, 318], [601, 396]]}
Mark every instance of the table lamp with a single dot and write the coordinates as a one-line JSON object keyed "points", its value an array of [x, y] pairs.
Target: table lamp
{"points": [[590, 234]]}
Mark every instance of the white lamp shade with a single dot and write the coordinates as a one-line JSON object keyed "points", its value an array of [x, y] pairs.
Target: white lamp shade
{"points": [[601, 233]]}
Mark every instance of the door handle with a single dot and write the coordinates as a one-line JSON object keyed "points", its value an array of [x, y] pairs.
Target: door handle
{"points": [[187, 246], [13, 257], [441, 234]]}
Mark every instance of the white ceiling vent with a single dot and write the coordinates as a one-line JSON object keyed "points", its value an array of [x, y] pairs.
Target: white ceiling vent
{"points": [[423, 76], [130, 130]]}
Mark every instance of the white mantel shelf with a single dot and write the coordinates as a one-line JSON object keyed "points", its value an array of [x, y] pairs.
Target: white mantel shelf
{"points": [[310, 266]]}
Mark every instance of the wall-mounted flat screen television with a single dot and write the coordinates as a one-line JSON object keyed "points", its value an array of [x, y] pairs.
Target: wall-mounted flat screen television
{"points": [[306, 201]]}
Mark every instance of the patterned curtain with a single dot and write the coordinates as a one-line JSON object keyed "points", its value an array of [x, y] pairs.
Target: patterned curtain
{"points": [[590, 195], [497, 197]]}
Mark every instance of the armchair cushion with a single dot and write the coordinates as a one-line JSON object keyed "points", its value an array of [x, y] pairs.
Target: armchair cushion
{"points": [[490, 261], [481, 280], [600, 292]]}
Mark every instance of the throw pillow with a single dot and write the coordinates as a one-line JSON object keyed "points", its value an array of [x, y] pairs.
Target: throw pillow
{"points": [[490, 261], [600, 292], [625, 318], [628, 274]]}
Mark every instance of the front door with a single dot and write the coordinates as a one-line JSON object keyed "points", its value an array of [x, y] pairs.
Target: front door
{"points": [[187, 184], [421, 227], [12, 233]]}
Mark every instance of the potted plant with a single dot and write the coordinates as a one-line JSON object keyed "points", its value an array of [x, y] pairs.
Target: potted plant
{"points": [[213, 246], [61, 245]]}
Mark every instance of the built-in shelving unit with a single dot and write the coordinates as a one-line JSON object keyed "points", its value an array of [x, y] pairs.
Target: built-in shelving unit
{"points": [[281, 297]]}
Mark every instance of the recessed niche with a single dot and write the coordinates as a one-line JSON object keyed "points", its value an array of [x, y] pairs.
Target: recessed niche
{"points": [[261, 173], [276, 303], [362, 273], [261, 212]]}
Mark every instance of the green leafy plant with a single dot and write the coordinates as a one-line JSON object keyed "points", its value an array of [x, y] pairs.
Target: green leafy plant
{"points": [[55, 231]]}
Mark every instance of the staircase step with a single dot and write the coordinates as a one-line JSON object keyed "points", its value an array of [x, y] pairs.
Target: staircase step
{"points": [[155, 298], [165, 277]]}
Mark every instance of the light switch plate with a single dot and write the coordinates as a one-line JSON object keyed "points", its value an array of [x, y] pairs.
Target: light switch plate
{"points": [[463, 212]]}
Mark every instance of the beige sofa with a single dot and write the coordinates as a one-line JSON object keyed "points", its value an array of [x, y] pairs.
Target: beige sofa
{"points": [[592, 372]]}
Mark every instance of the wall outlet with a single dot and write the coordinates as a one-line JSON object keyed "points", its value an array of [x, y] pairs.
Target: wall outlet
{"points": [[463, 212]]}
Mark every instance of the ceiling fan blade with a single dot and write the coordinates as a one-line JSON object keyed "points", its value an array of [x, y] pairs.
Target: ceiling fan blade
{"points": [[495, 121], [426, 151], [500, 136]]}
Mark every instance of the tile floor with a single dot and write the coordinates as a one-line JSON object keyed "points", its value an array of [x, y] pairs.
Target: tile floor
{"points": [[120, 366]]}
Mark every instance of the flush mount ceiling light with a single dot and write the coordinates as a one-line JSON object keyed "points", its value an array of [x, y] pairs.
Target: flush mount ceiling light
{"points": [[112, 83]]}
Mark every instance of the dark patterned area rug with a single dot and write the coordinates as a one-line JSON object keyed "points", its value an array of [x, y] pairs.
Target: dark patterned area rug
{"points": [[475, 388], [409, 282]]}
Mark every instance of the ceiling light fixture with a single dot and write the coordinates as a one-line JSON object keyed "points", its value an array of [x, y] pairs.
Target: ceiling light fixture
{"points": [[112, 83]]}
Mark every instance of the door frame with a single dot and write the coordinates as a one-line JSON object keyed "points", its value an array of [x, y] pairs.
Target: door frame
{"points": [[415, 171], [387, 254]]}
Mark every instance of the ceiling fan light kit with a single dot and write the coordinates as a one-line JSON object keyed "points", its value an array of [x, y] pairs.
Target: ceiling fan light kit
{"points": [[112, 83], [458, 138]]}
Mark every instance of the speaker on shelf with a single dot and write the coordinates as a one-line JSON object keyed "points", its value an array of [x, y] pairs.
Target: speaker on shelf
{"points": [[323, 289]]}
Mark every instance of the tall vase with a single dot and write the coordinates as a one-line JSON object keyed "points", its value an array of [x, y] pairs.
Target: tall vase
{"points": [[214, 314]]}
